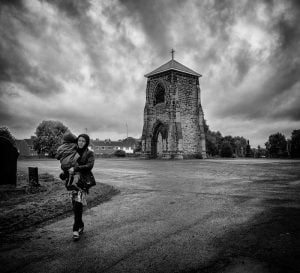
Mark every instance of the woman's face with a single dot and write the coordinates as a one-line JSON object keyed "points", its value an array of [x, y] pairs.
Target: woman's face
{"points": [[81, 142]]}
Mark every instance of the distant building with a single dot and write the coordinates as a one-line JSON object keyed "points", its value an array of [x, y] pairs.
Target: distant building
{"points": [[29, 143], [106, 147], [25, 147]]}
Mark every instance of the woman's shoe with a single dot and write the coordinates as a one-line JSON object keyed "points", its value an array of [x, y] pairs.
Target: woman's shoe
{"points": [[76, 235]]}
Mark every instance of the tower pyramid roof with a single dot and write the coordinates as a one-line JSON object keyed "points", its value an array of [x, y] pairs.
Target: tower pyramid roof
{"points": [[173, 65]]}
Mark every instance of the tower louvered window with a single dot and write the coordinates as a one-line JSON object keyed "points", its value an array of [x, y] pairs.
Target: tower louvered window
{"points": [[159, 94]]}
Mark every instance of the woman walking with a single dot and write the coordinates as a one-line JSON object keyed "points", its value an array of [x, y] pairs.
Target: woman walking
{"points": [[83, 167]]}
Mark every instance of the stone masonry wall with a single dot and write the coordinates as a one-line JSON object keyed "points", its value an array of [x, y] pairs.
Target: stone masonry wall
{"points": [[188, 97], [179, 112], [160, 111]]}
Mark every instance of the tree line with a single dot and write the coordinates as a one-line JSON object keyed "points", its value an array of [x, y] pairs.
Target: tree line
{"points": [[226, 146], [277, 145], [49, 133]]}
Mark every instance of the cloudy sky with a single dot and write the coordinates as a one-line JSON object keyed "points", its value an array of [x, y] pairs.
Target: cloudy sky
{"points": [[83, 63]]}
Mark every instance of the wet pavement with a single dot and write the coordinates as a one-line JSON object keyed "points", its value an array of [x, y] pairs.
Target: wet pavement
{"points": [[175, 216]]}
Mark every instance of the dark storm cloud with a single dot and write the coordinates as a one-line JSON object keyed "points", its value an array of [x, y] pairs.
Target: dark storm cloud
{"points": [[218, 16], [5, 117], [9, 118], [88, 58], [73, 8], [92, 36], [243, 63], [14, 3], [95, 48], [287, 28], [292, 112], [82, 54], [261, 99], [155, 17], [14, 65], [288, 25]]}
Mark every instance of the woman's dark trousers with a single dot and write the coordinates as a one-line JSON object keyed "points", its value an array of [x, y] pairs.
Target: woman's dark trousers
{"points": [[77, 208]]}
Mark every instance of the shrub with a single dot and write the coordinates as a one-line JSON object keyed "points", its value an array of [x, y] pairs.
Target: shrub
{"points": [[295, 144], [120, 153], [277, 145], [226, 149], [5, 132]]}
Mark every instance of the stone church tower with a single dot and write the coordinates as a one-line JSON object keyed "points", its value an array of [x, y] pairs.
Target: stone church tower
{"points": [[173, 115]]}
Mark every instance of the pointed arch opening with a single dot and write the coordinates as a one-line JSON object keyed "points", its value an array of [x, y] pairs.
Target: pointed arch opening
{"points": [[159, 139], [159, 94]]}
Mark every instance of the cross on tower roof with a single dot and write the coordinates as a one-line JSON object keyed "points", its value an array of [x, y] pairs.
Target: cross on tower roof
{"points": [[172, 52], [173, 65]]}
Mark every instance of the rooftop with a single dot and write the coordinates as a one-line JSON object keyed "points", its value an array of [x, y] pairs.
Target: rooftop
{"points": [[173, 65]]}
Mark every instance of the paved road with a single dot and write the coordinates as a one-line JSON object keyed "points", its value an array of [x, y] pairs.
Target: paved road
{"points": [[176, 216]]}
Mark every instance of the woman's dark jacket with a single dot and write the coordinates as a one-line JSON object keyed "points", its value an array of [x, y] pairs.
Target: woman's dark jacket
{"points": [[84, 166]]}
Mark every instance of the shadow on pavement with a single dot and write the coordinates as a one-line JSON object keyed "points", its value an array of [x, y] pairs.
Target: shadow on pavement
{"points": [[270, 242]]}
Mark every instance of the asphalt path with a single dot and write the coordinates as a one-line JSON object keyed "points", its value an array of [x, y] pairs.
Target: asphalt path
{"points": [[175, 216]]}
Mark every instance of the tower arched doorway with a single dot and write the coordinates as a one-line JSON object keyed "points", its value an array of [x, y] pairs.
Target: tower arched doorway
{"points": [[159, 140]]}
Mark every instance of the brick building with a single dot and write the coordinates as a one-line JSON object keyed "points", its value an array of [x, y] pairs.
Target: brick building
{"points": [[173, 115], [105, 147], [25, 147], [108, 147]]}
